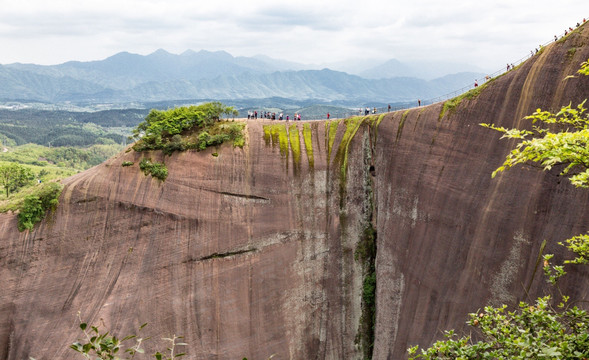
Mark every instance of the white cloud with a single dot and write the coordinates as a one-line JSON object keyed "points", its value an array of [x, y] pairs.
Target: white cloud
{"points": [[487, 33]]}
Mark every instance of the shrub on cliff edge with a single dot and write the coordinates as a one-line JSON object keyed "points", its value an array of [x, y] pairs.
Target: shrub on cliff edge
{"points": [[192, 127], [35, 206]]}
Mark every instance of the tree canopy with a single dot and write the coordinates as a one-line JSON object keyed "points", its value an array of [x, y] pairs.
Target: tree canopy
{"points": [[14, 176]]}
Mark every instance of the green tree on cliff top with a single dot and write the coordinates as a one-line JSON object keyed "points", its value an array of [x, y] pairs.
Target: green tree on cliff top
{"points": [[539, 330]]}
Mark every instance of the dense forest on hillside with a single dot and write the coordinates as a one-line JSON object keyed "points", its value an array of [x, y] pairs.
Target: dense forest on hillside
{"points": [[70, 157], [67, 128], [53, 144]]}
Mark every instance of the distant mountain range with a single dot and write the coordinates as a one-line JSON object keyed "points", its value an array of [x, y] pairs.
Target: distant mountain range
{"points": [[162, 76]]}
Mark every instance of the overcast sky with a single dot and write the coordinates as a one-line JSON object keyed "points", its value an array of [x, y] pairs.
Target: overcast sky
{"points": [[483, 33]]}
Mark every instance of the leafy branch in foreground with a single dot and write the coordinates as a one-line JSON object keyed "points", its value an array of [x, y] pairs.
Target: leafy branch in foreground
{"points": [[536, 331], [584, 68], [104, 346], [172, 340], [548, 148], [568, 148]]}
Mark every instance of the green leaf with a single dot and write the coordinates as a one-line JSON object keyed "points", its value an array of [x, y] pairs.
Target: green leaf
{"points": [[551, 352], [83, 326]]}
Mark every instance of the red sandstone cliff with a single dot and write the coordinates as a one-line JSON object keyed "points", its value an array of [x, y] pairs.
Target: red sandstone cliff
{"points": [[251, 253]]}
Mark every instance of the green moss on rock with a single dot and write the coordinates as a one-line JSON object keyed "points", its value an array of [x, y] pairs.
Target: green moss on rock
{"points": [[330, 131], [352, 125], [452, 104], [267, 135], [307, 137], [279, 137], [401, 124], [295, 144]]}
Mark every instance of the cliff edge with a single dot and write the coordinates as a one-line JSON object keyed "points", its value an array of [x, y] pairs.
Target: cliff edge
{"points": [[255, 251]]}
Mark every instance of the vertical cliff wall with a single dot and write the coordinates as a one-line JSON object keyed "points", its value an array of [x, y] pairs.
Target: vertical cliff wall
{"points": [[254, 252], [247, 254], [451, 239]]}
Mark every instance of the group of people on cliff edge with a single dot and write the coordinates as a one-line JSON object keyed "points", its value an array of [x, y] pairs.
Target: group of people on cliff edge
{"points": [[271, 116]]}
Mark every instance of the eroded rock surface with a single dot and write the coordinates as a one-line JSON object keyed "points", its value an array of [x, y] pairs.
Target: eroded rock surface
{"points": [[252, 252]]}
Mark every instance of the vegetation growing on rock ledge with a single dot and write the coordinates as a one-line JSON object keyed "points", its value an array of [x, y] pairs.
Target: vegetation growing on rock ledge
{"points": [[35, 206], [156, 169], [451, 105], [33, 203], [192, 127]]}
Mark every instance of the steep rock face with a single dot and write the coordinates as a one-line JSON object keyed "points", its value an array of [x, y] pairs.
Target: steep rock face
{"points": [[451, 239], [252, 252], [240, 253]]}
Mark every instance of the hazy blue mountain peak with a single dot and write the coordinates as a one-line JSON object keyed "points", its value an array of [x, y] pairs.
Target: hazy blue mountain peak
{"points": [[161, 53], [220, 54], [188, 52], [163, 76]]}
